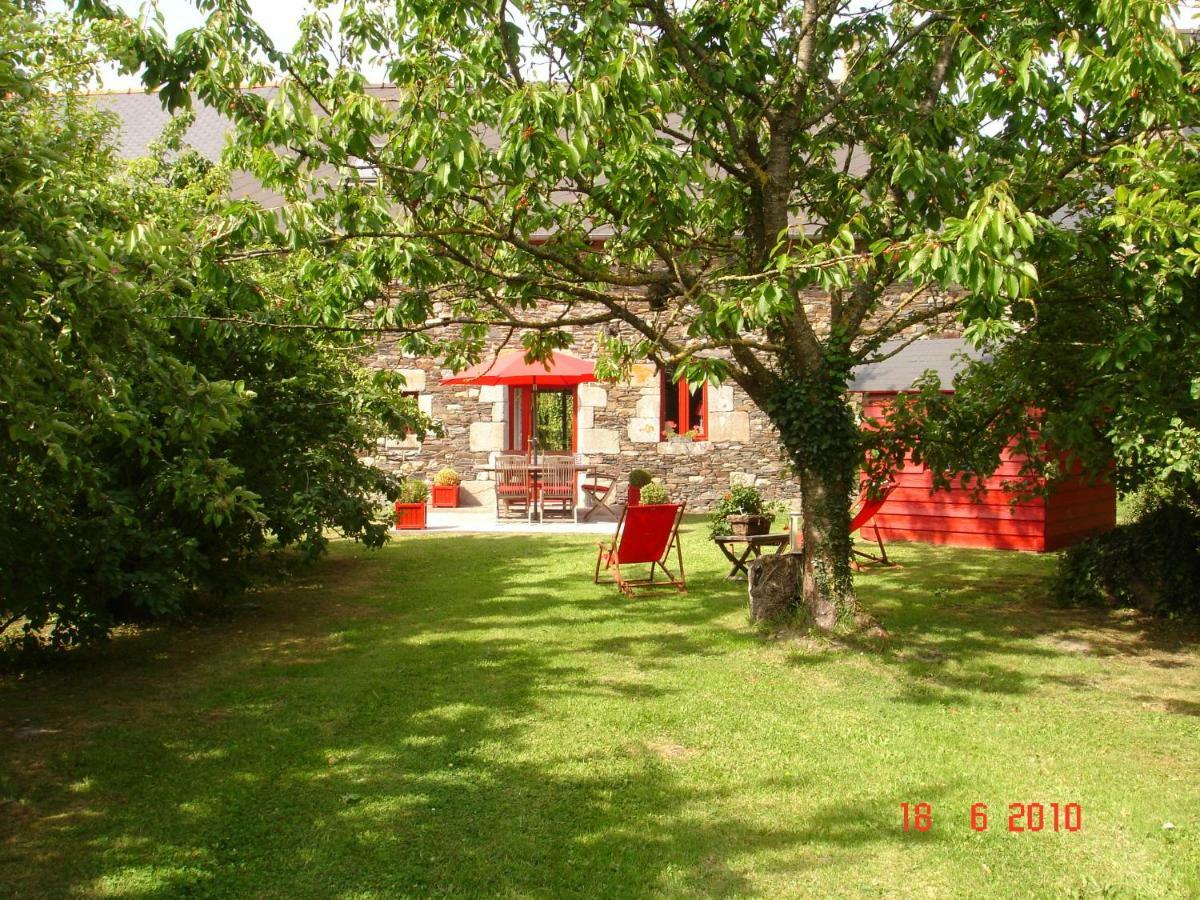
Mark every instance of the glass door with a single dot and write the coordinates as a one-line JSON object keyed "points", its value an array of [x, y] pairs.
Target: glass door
{"points": [[554, 419]]}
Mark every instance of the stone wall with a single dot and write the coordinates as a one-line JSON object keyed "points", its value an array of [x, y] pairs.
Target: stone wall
{"points": [[618, 430]]}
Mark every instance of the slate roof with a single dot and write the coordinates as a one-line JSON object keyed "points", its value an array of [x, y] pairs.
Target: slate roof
{"points": [[946, 356], [141, 119]]}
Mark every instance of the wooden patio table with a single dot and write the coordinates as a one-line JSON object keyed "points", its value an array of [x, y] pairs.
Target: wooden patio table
{"points": [[752, 544], [535, 472]]}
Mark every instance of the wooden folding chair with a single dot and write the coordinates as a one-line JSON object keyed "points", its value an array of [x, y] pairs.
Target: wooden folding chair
{"points": [[513, 486], [645, 534], [867, 510], [599, 488]]}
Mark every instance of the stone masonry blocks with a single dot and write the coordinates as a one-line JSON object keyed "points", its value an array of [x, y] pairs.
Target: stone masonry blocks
{"points": [[643, 431], [484, 436], [593, 395], [729, 426], [599, 440], [414, 379]]}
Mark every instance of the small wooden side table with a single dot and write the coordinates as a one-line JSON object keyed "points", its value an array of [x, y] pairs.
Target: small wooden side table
{"points": [[752, 545]]}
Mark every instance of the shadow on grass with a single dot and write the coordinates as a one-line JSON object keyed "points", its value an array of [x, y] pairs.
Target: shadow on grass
{"points": [[425, 723], [368, 732], [967, 624], [1171, 705]]}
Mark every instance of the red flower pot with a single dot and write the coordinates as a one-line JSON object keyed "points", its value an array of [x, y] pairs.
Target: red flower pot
{"points": [[445, 496], [410, 516], [634, 496]]}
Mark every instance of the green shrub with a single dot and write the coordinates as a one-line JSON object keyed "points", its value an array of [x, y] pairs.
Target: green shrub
{"points": [[151, 451], [639, 478], [654, 493], [1151, 564], [446, 476], [412, 491]]}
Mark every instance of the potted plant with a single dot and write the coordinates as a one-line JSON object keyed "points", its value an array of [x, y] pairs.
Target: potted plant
{"points": [[445, 488], [678, 437], [653, 494], [743, 511], [638, 479], [410, 504]]}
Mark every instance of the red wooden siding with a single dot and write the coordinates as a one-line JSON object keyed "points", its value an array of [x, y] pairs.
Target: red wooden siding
{"points": [[1079, 509], [957, 517]]}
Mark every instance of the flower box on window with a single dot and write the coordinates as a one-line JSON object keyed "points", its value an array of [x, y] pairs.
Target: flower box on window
{"points": [[684, 410]]}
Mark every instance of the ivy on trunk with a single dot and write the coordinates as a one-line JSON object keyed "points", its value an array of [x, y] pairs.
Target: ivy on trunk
{"points": [[820, 435]]}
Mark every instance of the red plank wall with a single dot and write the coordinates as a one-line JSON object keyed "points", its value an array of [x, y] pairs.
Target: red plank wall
{"points": [[915, 512]]}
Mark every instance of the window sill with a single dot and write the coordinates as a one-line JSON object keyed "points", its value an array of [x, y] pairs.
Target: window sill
{"points": [[684, 448]]}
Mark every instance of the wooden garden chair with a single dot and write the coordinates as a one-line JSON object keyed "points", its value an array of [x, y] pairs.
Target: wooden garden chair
{"points": [[599, 488], [513, 485], [645, 535], [557, 484]]}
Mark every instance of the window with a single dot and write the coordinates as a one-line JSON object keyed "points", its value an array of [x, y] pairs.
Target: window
{"points": [[366, 172], [555, 418], [684, 408], [414, 397]]}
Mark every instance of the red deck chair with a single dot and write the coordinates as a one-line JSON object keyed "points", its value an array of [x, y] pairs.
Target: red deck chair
{"points": [[645, 534], [867, 511]]}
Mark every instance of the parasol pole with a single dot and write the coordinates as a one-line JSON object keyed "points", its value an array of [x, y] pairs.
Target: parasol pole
{"points": [[533, 421]]}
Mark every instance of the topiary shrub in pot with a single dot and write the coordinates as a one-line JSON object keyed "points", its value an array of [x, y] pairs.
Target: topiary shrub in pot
{"points": [[410, 504], [638, 479], [445, 488], [653, 494]]}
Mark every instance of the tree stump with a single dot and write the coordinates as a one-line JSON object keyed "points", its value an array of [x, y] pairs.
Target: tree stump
{"points": [[773, 586]]}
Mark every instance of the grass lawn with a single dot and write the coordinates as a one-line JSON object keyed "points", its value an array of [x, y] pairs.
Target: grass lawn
{"points": [[472, 716]]}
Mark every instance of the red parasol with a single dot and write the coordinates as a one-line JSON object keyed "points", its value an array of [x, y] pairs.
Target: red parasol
{"points": [[510, 368]]}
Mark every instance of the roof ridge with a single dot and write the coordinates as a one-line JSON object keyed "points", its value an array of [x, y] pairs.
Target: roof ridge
{"points": [[101, 92]]}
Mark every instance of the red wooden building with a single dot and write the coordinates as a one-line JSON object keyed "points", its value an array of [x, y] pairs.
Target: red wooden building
{"points": [[1076, 508]]}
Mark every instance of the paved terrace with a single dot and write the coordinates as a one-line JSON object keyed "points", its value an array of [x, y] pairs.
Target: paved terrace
{"points": [[482, 520]]}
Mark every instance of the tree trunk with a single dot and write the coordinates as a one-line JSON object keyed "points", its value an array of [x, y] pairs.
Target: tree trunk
{"points": [[826, 589], [821, 436]]}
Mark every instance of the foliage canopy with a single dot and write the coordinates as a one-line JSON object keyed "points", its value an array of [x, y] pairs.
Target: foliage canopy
{"points": [[761, 191]]}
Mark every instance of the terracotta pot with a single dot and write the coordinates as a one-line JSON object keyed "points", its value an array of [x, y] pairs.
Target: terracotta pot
{"points": [[634, 496], [445, 496], [410, 516], [745, 526]]}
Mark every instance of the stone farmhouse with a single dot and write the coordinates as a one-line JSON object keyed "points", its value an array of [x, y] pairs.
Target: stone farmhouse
{"points": [[698, 440]]}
